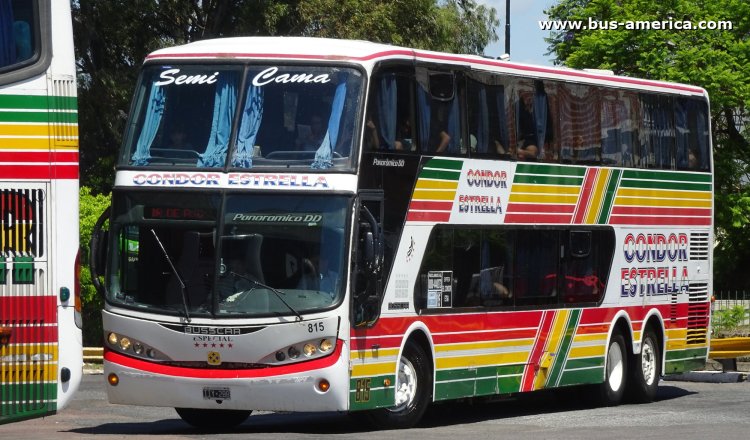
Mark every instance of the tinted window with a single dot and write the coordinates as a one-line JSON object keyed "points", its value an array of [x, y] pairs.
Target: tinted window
{"points": [[18, 32]]}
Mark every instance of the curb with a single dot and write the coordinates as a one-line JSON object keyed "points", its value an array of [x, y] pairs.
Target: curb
{"points": [[708, 377]]}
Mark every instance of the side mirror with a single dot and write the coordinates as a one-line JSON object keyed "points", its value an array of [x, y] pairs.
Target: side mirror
{"points": [[98, 251], [370, 257]]}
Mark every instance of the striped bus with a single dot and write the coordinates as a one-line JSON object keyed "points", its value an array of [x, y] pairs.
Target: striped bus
{"points": [[325, 225], [40, 322]]}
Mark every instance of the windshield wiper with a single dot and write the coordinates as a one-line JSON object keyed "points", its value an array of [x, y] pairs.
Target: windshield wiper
{"points": [[279, 294], [176, 274]]}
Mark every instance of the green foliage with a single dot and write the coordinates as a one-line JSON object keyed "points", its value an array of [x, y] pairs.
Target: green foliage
{"points": [[714, 59], [726, 322], [91, 207]]}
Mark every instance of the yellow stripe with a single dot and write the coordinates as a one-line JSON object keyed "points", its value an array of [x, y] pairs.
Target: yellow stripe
{"points": [[597, 196], [544, 198], [677, 333], [482, 360], [483, 345], [594, 337], [30, 350], [666, 203], [433, 195], [436, 184], [369, 370], [374, 354], [24, 144], [33, 130], [664, 194], [583, 352], [540, 189]]}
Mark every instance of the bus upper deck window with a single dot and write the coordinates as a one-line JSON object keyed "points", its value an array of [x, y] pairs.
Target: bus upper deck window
{"points": [[16, 32]]}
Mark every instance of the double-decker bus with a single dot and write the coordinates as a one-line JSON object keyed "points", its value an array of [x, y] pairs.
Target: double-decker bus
{"points": [[324, 225], [41, 361]]}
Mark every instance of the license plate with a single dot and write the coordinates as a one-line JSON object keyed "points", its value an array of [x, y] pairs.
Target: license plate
{"points": [[210, 393]]}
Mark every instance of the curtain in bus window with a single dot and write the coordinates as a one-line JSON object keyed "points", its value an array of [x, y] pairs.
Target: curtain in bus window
{"points": [[151, 122], [252, 115], [324, 155], [423, 101], [225, 102], [454, 128], [7, 35], [483, 122], [682, 133], [502, 119], [386, 100], [702, 128], [540, 114]]}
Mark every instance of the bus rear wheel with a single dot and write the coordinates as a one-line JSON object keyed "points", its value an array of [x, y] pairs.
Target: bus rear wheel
{"points": [[412, 391], [212, 418], [616, 367], [644, 375]]}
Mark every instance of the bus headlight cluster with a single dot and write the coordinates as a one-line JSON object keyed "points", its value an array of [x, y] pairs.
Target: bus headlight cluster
{"points": [[302, 351], [130, 346]]}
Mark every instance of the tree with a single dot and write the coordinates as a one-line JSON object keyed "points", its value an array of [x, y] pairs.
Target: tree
{"points": [[715, 59]]}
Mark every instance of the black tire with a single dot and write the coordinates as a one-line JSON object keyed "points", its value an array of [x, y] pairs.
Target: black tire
{"points": [[212, 418], [616, 372], [643, 380], [413, 387]]}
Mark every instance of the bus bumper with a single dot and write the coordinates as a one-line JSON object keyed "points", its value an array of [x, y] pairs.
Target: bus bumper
{"points": [[147, 384]]}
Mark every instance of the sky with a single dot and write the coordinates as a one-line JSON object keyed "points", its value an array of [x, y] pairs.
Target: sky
{"points": [[526, 39]]}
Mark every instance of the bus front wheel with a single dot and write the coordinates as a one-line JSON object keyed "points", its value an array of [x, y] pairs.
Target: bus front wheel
{"points": [[616, 368], [212, 418], [412, 391]]}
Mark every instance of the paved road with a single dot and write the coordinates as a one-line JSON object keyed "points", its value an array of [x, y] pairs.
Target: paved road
{"points": [[684, 410]]}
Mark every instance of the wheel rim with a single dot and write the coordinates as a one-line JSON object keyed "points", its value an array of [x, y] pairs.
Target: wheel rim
{"points": [[615, 367], [406, 385], [648, 362]]}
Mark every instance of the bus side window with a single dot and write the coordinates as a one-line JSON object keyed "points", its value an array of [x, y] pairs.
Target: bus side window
{"points": [[587, 265], [439, 111]]}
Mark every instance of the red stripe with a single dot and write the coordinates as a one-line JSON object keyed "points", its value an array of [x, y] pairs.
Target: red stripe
{"points": [[34, 309], [434, 56], [39, 172], [209, 373], [635, 210], [498, 335], [660, 221], [586, 191], [428, 216], [39, 156], [537, 218], [529, 373], [541, 208], [422, 205]]}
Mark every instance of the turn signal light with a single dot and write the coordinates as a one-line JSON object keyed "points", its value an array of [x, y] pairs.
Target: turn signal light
{"points": [[113, 379], [324, 385]]}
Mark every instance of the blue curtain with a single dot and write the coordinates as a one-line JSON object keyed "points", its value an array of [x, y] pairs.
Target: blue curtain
{"points": [[540, 117], [324, 155], [483, 124], [387, 110], [701, 113], [423, 101], [502, 120], [225, 102], [151, 122], [7, 36], [454, 128], [682, 132], [252, 115]]}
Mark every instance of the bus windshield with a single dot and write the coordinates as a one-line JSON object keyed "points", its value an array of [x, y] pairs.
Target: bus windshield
{"points": [[232, 255], [216, 116]]}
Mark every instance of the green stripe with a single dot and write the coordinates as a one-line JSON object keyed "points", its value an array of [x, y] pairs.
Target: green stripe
{"points": [[19, 401], [558, 170], [445, 164], [609, 196], [573, 364], [687, 353], [667, 175], [562, 352], [652, 184], [454, 390], [579, 377], [437, 174], [547, 180], [35, 102], [381, 398]]}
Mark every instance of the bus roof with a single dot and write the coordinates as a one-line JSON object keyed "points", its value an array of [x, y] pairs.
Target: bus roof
{"points": [[368, 53]]}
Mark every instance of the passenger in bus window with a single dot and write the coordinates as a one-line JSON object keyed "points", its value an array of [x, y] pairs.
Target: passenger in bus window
{"points": [[404, 138], [372, 139], [693, 159], [311, 136]]}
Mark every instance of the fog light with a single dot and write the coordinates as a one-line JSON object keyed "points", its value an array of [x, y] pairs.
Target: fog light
{"points": [[326, 345], [280, 356], [113, 379], [138, 348], [112, 338], [309, 350], [124, 343], [151, 353], [293, 353], [323, 385]]}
